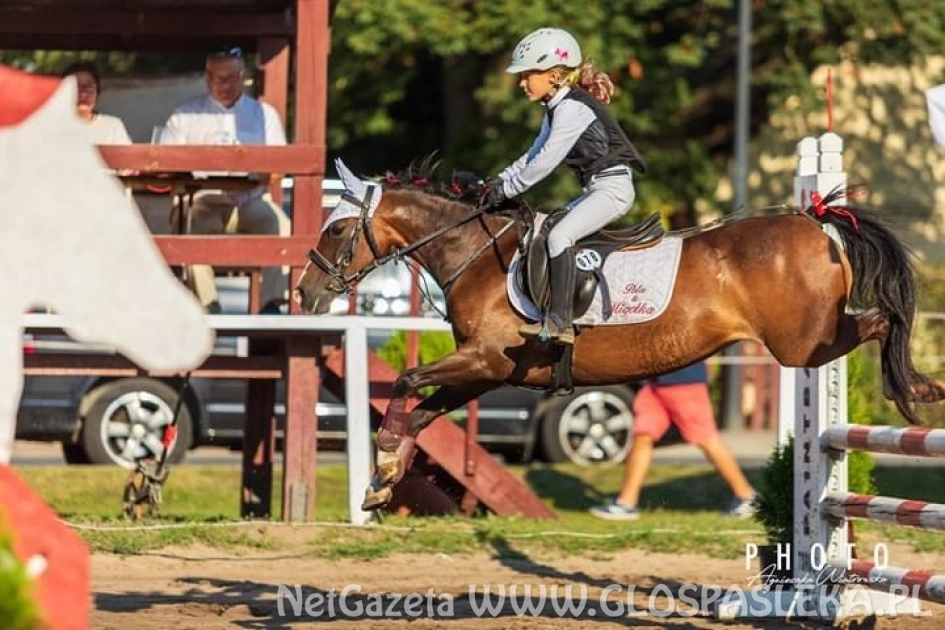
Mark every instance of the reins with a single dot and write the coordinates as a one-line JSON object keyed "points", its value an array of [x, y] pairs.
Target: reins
{"points": [[342, 283]]}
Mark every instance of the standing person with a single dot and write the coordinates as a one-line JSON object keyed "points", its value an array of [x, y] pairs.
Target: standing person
{"points": [[577, 130], [225, 115], [105, 129], [681, 398]]}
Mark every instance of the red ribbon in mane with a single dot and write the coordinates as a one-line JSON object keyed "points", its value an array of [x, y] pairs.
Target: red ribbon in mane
{"points": [[820, 209]]}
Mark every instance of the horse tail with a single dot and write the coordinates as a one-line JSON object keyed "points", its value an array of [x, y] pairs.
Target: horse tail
{"points": [[883, 277]]}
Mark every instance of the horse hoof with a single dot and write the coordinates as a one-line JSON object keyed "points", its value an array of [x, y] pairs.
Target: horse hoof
{"points": [[388, 473], [376, 498]]}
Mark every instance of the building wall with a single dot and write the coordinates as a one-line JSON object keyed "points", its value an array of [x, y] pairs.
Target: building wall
{"points": [[146, 103], [881, 114]]}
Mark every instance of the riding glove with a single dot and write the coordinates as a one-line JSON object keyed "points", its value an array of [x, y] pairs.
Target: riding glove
{"points": [[492, 194]]}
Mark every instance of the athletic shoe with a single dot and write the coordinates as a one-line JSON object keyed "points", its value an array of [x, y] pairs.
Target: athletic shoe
{"points": [[740, 508], [615, 511]]}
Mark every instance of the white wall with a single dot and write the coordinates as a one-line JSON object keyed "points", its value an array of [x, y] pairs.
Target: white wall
{"points": [[145, 103]]}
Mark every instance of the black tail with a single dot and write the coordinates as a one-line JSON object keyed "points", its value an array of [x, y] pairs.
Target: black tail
{"points": [[883, 277]]}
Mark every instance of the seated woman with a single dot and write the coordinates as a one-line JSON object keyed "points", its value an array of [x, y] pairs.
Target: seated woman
{"points": [[106, 129]]}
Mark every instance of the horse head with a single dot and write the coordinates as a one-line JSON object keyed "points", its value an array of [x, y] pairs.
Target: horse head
{"points": [[373, 223]]}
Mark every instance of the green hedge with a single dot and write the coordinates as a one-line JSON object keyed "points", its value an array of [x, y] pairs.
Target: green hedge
{"points": [[433, 345]]}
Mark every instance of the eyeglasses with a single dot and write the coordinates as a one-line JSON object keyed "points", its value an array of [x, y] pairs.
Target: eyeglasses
{"points": [[233, 52]]}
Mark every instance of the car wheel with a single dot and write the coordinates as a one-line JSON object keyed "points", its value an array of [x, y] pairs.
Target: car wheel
{"points": [[126, 420], [592, 426], [74, 453]]}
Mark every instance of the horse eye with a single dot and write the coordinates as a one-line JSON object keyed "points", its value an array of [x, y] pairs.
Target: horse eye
{"points": [[337, 229]]}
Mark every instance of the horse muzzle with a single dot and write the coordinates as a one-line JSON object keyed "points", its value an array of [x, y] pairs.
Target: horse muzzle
{"points": [[315, 303]]}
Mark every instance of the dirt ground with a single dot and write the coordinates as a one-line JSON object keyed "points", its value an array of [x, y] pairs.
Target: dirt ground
{"points": [[199, 588]]}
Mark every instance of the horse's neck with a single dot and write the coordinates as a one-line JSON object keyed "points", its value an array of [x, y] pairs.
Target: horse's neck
{"points": [[450, 254]]}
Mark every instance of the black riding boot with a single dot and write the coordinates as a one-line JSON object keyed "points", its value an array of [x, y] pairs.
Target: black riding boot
{"points": [[560, 320]]}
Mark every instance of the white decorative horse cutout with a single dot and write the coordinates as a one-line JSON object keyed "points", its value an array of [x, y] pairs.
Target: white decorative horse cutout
{"points": [[70, 239]]}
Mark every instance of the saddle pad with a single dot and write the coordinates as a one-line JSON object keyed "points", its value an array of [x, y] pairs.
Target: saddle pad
{"points": [[640, 284]]}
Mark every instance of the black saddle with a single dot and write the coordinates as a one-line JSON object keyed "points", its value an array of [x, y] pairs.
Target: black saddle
{"points": [[590, 254]]}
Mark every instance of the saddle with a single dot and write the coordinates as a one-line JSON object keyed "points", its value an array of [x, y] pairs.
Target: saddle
{"points": [[590, 254]]}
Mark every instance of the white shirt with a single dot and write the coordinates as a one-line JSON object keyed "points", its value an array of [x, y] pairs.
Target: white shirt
{"points": [[108, 130], [552, 145], [202, 120]]}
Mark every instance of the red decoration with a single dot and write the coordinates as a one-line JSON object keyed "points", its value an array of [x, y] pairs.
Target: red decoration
{"points": [[819, 208]]}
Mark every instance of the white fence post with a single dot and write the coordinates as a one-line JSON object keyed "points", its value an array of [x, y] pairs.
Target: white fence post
{"points": [[357, 397]]}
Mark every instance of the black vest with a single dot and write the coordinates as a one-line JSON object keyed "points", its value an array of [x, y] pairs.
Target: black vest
{"points": [[603, 144]]}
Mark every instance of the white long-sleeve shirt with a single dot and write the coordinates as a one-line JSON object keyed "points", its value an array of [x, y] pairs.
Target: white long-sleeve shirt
{"points": [[202, 120], [555, 139]]}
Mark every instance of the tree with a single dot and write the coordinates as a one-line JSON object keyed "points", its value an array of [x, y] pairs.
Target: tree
{"points": [[409, 77]]}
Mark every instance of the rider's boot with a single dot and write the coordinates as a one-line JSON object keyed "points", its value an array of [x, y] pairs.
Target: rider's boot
{"points": [[560, 320]]}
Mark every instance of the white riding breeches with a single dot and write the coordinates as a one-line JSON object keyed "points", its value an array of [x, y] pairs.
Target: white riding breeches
{"points": [[606, 198]]}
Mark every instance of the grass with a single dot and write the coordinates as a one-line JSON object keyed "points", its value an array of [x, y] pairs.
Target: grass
{"points": [[682, 504]]}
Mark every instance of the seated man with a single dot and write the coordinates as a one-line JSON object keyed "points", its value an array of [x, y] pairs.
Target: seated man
{"points": [[225, 115]]}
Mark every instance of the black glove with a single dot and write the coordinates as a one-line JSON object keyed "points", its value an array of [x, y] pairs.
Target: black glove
{"points": [[493, 194]]}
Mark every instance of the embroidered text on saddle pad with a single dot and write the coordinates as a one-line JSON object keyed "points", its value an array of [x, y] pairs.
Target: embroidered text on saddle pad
{"points": [[640, 284]]}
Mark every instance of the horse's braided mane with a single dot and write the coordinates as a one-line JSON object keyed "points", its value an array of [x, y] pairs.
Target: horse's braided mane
{"points": [[463, 186], [421, 175]]}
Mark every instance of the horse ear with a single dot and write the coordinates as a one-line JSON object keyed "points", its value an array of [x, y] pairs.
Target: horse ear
{"points": [[351, 181]]}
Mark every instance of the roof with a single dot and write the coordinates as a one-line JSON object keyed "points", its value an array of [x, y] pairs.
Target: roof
{"points": [[145, 6], [144, 25]]}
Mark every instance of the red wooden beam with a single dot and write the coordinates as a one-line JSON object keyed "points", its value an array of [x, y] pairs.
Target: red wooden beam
{"points": [[274, 62], [190, 23], [118, 42], [294, 159], [301, 429], [311, 94], [236, 251]]}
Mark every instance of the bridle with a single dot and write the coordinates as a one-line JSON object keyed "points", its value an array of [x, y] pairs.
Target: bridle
{"points": [[341, 282]]}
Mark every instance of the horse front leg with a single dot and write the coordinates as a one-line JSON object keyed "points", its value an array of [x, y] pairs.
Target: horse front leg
{"points": [[398, 432]]}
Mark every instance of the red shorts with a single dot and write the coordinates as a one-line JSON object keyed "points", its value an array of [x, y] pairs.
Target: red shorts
{"points": [[687, 406]]}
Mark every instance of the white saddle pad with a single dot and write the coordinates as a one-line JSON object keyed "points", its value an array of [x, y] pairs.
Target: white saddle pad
{"points": [[639, 284]]}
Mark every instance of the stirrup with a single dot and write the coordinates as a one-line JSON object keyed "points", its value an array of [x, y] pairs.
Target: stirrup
{"points": [[562, 336], [532, 329]]}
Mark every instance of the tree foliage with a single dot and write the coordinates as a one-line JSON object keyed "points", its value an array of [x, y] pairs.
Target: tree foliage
{"points": [[409, 76]]}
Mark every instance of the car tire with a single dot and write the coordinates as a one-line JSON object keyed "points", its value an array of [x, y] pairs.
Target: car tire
{"points": [[593, 426], [139, 408], [74, 454]]}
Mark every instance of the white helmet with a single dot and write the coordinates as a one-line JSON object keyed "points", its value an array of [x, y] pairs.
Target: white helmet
{"points": [[544, 49]]}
